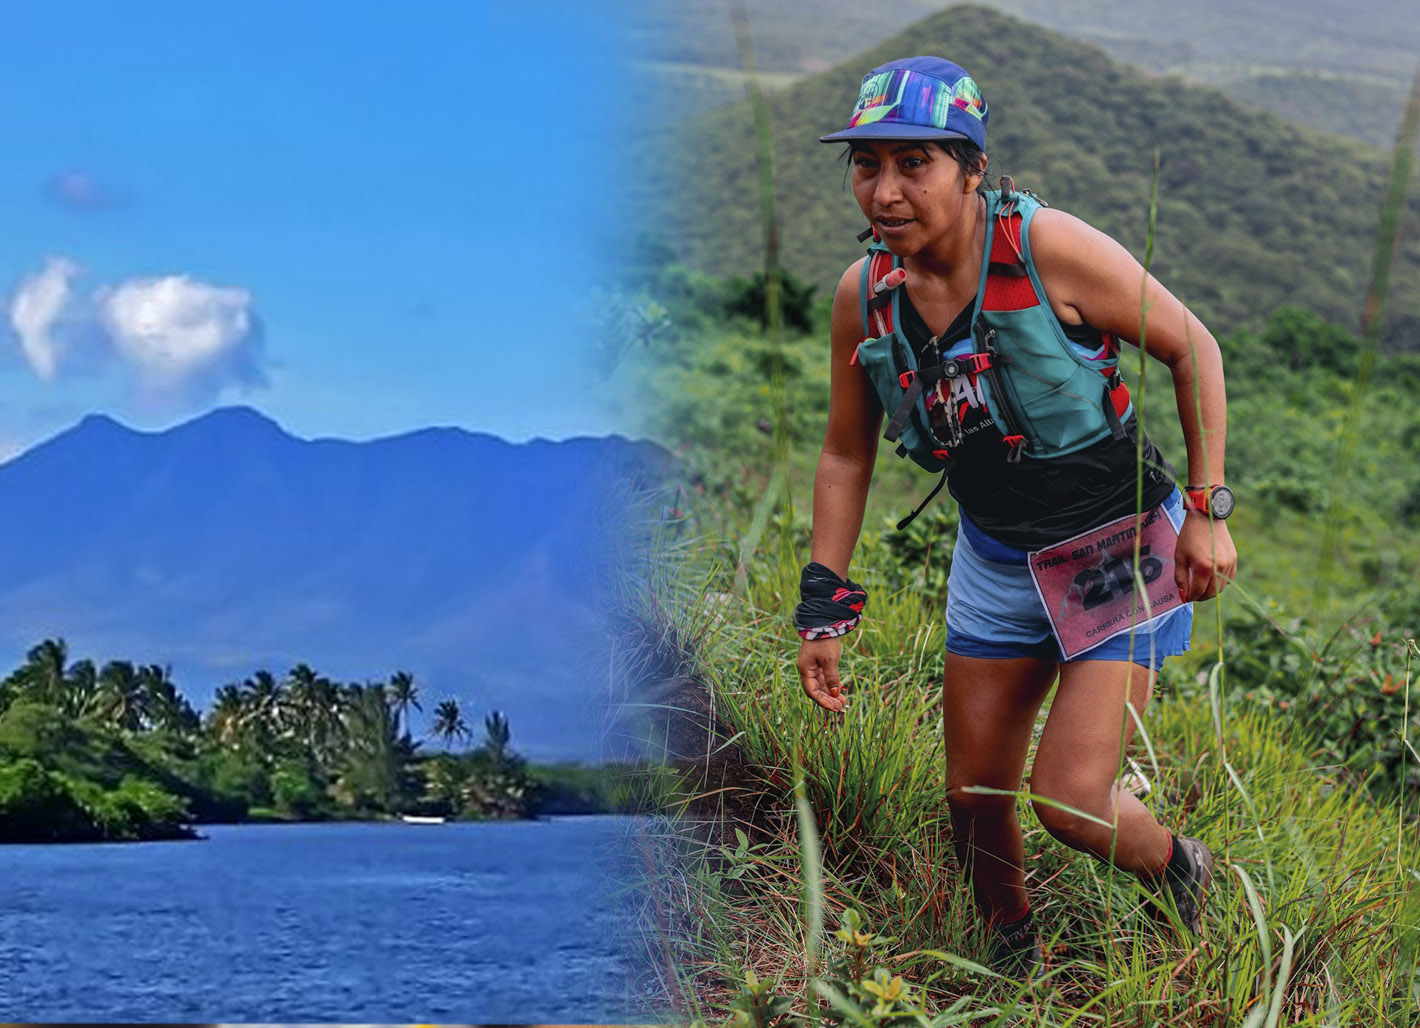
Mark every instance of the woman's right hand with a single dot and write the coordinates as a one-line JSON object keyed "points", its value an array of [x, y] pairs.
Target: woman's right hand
{"points": [[818, 672]]}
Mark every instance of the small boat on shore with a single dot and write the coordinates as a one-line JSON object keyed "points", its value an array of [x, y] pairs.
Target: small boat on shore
{"points": [[420, 819]]}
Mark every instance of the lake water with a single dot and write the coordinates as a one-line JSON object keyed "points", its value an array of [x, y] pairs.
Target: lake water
{"points": [[322, 923]]}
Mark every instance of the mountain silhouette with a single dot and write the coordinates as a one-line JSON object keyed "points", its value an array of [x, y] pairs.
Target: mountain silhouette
{"points": [[226, 544]]}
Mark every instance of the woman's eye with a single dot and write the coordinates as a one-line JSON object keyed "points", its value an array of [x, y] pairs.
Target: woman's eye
{"points": [[912, 162]]}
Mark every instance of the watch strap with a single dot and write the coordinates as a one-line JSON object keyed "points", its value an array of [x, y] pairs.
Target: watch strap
{"points": [[1195, 497], [1200, 498]]}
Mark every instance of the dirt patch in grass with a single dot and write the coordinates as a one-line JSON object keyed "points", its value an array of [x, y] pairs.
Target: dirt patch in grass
{"points": [[717, 790]]}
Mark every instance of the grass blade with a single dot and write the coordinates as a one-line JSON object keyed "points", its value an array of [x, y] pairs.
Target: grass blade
{"points": [[813, 870], [1044, 801], [1264, 939], [1284, 974]]}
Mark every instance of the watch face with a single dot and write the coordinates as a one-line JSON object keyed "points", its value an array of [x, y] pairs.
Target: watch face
{"points": [[1221, 503]]}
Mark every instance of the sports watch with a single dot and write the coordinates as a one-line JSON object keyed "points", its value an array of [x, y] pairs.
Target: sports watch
{"points": [[1215, 500]]}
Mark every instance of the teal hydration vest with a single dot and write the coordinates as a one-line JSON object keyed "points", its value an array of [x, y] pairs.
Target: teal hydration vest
{"points": [[1046, 394]]}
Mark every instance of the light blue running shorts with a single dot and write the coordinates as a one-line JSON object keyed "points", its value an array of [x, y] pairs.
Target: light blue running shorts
{"points": [[994, 610]]}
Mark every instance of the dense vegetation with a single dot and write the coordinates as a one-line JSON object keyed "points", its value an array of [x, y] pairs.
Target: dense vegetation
{"points": [[1322, 64], [1286, 737], [1219, 38], [90, 753], [1254, 212], [1343, 106]]}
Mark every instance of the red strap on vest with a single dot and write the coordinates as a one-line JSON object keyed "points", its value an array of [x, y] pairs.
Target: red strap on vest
{"points": [[1119, 392], [879, 320], [1119, 395], [1008, 292]]}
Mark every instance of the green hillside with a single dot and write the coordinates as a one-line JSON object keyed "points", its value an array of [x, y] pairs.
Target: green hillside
{"points": [[1369, 111], [1377, 40], [1295, 66], [1254, 212]]}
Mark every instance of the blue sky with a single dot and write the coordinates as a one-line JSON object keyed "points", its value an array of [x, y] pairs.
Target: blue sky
{"points": [[359, 218]]}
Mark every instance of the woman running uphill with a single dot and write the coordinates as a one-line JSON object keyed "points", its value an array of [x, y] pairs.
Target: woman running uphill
{"points": [[985, 327]]}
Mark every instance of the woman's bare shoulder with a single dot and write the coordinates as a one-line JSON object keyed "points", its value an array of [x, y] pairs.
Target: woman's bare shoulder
{"points": [[845, 294], [851, 276], [1057, 235]]}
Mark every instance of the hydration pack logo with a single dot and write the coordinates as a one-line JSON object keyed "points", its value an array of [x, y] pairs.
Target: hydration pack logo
{"points": [[966, 390]]}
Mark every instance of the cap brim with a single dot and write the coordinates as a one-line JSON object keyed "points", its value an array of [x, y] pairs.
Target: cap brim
{"points": [[891, 130]]}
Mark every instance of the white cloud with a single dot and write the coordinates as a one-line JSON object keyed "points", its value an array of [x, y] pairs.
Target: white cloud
{"points": [[182, 336], [176, 338], [36, 308]]}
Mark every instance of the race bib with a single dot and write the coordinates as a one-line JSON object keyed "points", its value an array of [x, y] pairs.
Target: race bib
{"points": [[1087, 583]]}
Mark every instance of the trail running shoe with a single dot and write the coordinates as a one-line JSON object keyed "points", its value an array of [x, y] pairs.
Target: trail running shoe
{"points": [[1015, 949], [1188, 885]]}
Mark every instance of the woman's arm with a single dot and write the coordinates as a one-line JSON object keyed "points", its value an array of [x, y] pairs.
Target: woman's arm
{"points": [[850, 443], [1091, 278], [845, 469]]}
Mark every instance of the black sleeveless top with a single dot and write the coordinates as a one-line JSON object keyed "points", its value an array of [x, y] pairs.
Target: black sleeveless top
{"points": [[1037, 503]]}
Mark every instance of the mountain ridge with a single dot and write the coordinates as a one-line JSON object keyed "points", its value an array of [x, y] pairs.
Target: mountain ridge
{"points": [[225, 544]]}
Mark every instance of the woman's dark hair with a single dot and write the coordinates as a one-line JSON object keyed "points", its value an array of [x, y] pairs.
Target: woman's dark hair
{"points": [[969, 157]]}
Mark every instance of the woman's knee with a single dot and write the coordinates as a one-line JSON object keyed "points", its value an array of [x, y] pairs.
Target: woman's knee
{"points": [[1072, 818], [967, 805]]}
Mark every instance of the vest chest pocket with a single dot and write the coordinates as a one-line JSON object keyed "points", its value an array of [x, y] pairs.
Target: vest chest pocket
{"points": [[1054, 399], [892, 369]]}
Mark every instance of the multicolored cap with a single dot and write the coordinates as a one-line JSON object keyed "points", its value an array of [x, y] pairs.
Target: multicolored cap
{"points": [[917, 98]]}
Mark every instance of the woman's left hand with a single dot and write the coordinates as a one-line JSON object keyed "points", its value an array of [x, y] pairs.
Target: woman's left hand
{"points": [[1205, 559]]}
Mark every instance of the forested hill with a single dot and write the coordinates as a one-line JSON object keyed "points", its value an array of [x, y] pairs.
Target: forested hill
{"points": [[1254, 212], [1328, 64]]}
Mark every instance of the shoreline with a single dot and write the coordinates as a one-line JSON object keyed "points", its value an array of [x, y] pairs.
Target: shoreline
{"points": [[193, 830]]}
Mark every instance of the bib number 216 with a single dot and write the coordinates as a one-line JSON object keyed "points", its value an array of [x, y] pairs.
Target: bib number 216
{"points": [[1088, 585], [1101, 585]]}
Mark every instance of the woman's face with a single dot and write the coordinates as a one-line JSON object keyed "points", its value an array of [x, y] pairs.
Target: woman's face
{"points": [[912, 192]]}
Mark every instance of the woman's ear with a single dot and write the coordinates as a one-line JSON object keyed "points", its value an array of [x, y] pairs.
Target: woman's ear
{"points": [[974, 180]]}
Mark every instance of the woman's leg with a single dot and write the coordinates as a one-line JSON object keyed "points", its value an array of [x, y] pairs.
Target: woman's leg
{"points": [[988, 711], [1078, 764]]}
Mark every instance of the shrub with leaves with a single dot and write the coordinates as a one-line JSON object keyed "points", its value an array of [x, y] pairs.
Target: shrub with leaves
{"points": [[922, 552], [1347, 691], [759, 1005], [854, 989]]}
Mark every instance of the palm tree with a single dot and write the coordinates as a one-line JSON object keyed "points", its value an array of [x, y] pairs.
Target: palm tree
{"points": [[449, 724], [45, 671], [164, 708], [225, 718], [373, 773], [119, 699], [326, 723], [81, 686], [495, 737], [403, 694], [299, 703], [499, 788], [263, 699]]}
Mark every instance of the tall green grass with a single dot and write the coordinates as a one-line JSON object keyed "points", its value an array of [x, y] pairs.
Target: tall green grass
{"points": [[1313, 918]]}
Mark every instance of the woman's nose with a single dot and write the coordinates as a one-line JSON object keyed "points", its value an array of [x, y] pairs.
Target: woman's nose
{"points": [[887, 188]]}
